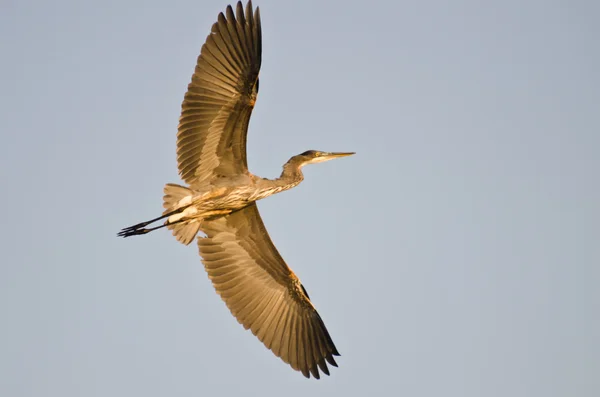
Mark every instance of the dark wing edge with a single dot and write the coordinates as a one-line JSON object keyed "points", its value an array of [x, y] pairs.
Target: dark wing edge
{"points": [[217, 106], [262, 293]]}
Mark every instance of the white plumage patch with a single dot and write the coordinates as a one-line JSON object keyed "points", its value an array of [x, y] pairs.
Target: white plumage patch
{"points": [[188, 212], [184, 201]]}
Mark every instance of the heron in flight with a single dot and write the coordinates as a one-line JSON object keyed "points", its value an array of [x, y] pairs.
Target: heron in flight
{"points": [[246, 269]]}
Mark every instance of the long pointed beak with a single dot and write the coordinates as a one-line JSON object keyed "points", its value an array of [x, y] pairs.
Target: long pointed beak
{"points": [[326, 156], [335, 155]]}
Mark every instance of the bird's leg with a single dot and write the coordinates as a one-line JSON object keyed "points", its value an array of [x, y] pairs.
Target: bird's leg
{"points": [[138, 228], [135, 232]]}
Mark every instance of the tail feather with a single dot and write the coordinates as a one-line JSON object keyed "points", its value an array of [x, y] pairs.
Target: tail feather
{"points": [[176, 197], [185, 232]]}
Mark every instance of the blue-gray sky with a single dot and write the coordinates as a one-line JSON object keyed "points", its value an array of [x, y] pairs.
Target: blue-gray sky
{"points": [[456, 254]]}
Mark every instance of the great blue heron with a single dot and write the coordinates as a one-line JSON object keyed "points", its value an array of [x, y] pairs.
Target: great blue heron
{"points": [[258, 287]]}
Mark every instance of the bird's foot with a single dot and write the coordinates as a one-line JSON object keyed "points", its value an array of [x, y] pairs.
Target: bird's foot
{"points": [[134, 230]]}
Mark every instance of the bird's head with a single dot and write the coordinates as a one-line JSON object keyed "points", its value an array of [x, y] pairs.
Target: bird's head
{"points": [[315, 156]]}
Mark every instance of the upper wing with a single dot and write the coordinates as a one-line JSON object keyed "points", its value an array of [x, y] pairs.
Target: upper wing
{"points": [[216, 109], [263, 293]]}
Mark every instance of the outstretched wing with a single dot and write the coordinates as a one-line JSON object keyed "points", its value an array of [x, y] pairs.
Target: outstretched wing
{"points": [[263, 293], [216, 110]]}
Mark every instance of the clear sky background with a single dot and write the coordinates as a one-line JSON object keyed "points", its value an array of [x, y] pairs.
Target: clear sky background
{"points": [[455, 255]]}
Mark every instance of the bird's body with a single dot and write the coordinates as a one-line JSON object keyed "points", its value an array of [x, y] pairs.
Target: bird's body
{"points": [[222, 197], [243, 264]]}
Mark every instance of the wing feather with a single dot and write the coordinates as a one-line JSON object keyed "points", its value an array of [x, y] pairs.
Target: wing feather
{"points": [[266, 332], [310, 349], [216, 110], [263, 293], [293, 342]]}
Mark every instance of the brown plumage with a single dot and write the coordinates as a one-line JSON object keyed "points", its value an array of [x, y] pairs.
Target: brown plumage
{"points": [[244, 266]]}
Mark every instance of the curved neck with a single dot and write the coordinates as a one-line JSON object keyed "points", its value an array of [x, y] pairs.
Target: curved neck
{"points": [[292, 173], [290, 177]]}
